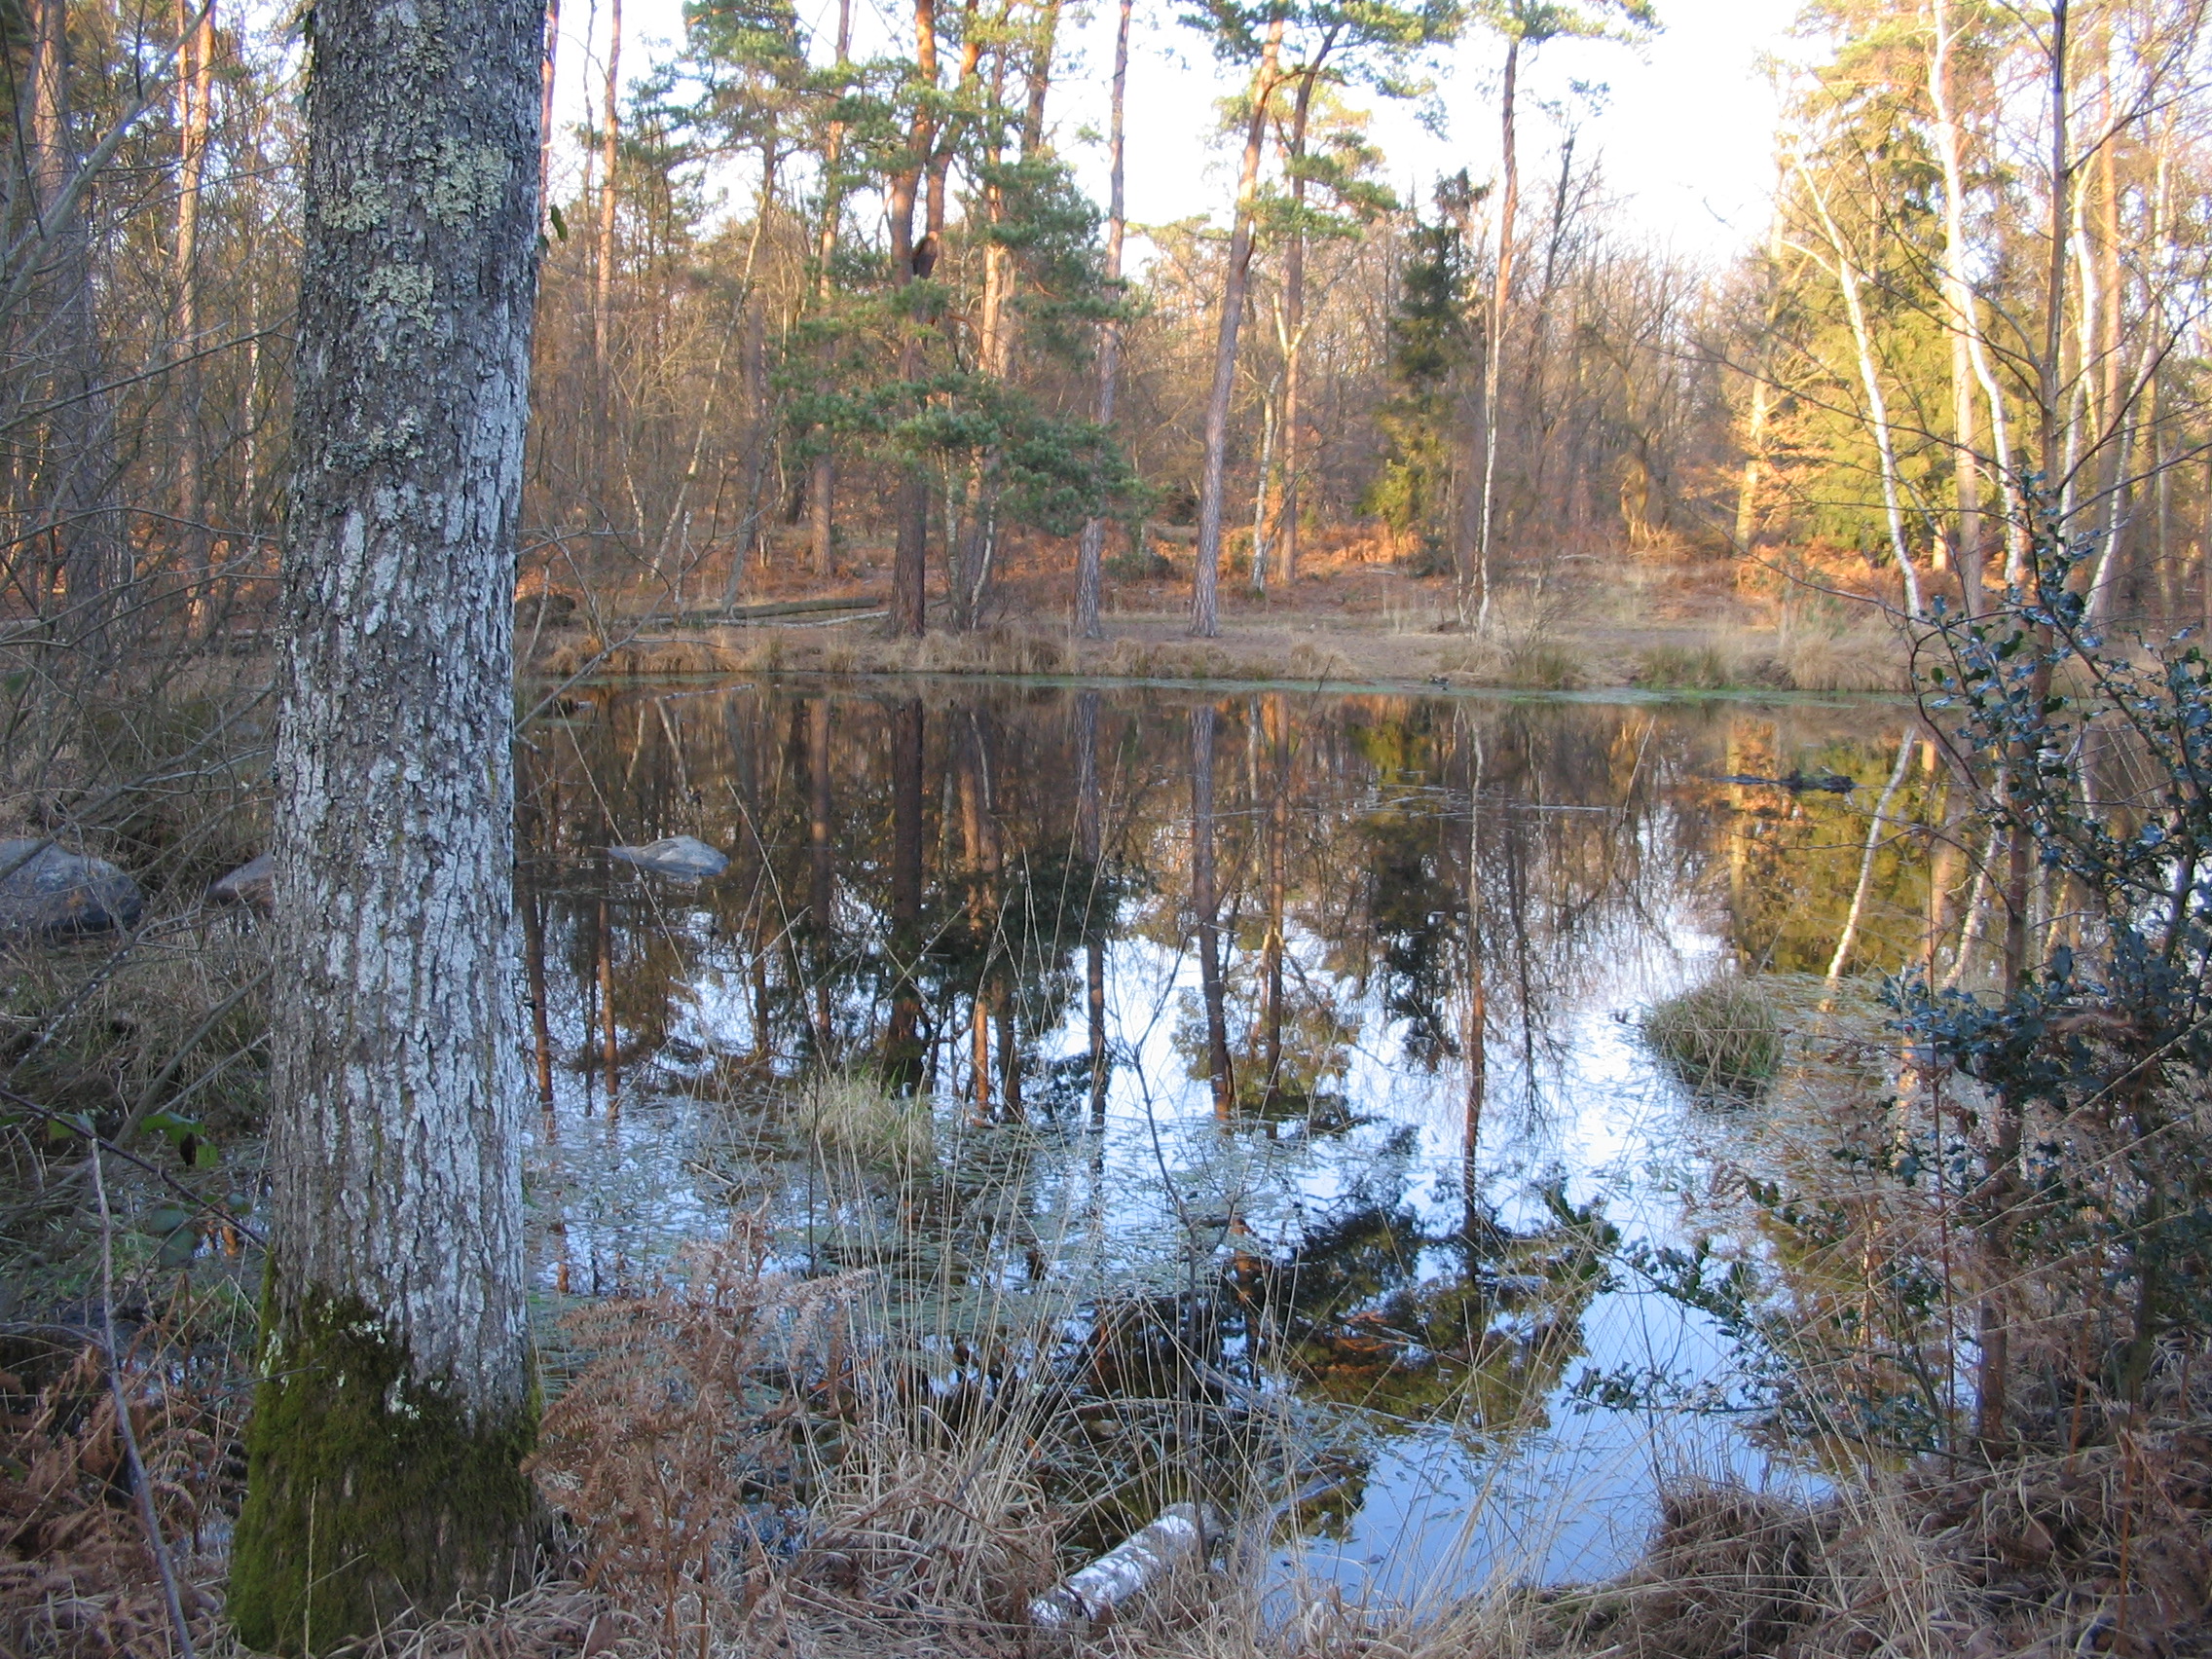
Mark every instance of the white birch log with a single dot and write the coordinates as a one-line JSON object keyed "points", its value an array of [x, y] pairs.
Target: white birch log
{"points": [[1090, 1596]]}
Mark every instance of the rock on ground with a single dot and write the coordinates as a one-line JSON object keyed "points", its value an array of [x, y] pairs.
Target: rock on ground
{"points": [[50, 894], [253, 883], [685, 857]]}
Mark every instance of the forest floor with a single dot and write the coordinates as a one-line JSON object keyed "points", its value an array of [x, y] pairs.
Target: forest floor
{"points": [[1572, 623]]}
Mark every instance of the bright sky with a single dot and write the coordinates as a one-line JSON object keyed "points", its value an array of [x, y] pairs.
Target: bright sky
{"points": [[1685, 126]]}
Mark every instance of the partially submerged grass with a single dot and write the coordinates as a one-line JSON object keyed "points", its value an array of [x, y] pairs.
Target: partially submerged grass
{"points": [[856, 1115], [1722, 1037]]}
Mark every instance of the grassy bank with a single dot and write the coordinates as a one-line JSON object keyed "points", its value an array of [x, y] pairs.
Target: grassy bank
{"points": [[1659, 628]]}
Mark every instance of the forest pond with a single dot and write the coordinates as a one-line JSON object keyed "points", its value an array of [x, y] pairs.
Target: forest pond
{"points": [[1269, 1054]]}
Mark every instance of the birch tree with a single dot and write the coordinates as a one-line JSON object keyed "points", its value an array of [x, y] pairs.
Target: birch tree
{"points": [[1092, 543]]}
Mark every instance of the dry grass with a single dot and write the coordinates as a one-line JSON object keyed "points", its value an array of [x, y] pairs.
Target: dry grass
{"points": [[748, 1464], [177, 1022], [1856, 654], [1708, 666], [76, 1577]]}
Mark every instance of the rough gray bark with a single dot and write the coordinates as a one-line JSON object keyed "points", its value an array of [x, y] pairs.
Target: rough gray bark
{"points": [[397, 1400]]}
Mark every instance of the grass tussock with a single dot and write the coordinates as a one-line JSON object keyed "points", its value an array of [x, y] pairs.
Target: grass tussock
{"points": [[1528, 662], [1721, 1037], [854, 1115], [1843, 655], [1685, 668]]}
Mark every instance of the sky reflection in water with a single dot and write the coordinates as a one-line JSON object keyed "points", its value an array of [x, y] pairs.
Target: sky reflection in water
{"points": [[918, 869]]}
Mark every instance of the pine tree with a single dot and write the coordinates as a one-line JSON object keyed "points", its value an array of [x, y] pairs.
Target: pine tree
{"points": [[1430, 344]]}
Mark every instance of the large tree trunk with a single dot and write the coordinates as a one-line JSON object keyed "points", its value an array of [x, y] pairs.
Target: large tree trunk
{"points": [[1091, 545], [385, 1444], [1206, 609]]}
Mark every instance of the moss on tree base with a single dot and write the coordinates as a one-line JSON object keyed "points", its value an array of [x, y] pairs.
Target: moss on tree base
{"points": [[371, 1499]]}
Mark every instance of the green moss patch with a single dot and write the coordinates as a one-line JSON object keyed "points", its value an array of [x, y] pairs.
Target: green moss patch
{"points": [[371, 1499]]}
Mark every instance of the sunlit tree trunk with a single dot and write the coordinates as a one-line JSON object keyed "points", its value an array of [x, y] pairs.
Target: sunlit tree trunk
{"points": [[194, 91], [549, 81], [1205, 604], [397, 1398], [821, 484], [1090, 546], [1294, 333], [909, 565], [1959, 320], [610, 150], [1493, 344], [1962, 309], [1846, 273], [1762, 396]]}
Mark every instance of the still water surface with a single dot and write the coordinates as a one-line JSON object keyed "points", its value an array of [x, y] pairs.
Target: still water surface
{"points": [[1292, 1037]]}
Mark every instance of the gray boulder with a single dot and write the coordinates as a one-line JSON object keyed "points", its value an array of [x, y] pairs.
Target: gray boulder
{"points": [[685, 857], [50, 894], [253, 884]]}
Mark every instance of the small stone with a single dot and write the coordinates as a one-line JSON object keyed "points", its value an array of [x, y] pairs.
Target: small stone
{"points": [[52, 893], [685, 857], [252, 883]]}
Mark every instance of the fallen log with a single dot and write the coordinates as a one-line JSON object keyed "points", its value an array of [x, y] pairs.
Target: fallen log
{"points": [[1088, 1597], [769, 610]]}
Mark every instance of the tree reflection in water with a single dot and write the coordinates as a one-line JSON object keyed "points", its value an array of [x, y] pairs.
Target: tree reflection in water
{"points": [[1270, 1040]]}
